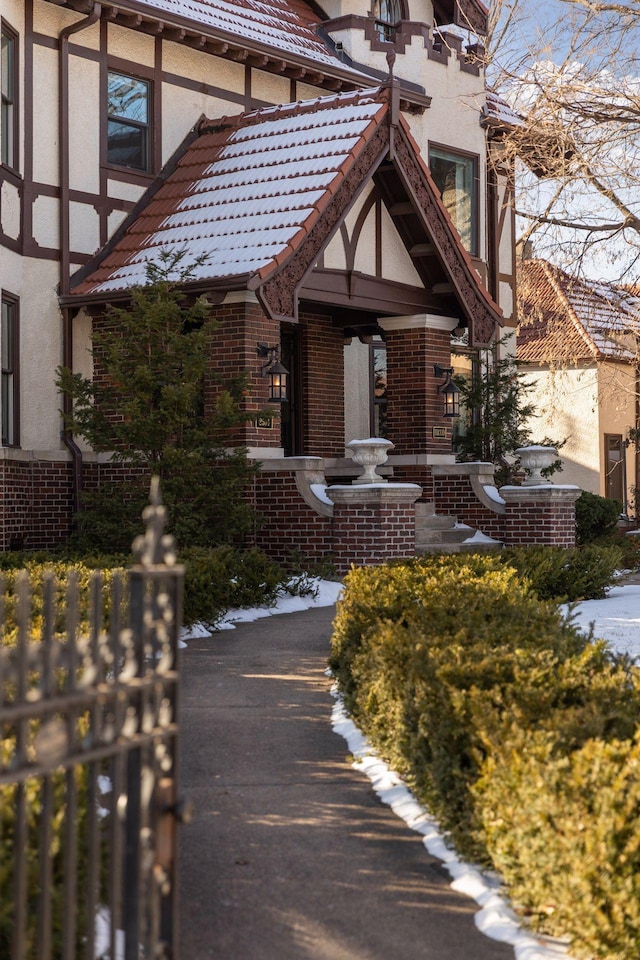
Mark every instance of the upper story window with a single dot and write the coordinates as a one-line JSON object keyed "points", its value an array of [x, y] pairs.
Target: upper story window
{"points": [[128, 121], [387, 15], [456, 177], [9, 376], [9, 69]]}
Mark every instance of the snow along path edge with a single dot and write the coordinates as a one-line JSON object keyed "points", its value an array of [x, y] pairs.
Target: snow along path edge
{"points": [[495, 919]]}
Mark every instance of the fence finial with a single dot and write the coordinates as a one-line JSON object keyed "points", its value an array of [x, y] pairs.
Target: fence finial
{"points": [[153, 547]]}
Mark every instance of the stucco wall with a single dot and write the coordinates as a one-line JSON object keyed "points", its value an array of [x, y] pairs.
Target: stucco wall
{"points": [[566, 403]]}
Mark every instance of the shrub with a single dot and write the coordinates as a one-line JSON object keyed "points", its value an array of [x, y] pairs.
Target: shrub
{"points": [[454, 667], [217, 579], [556, 573], [595, 516], [564, 829]]}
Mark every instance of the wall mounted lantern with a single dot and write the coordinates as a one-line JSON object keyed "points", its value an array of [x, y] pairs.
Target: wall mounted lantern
{"points": [[448, 390], [277, 373]]}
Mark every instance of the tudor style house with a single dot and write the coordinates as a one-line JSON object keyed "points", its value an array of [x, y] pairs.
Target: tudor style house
{"points": [[579, 341], [333, 169]]}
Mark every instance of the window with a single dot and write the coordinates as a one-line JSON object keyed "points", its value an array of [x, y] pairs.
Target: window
{"points": [[456, 177], [128, 124], [9, 69], [9, 393], [387, 15], [378, 367]]}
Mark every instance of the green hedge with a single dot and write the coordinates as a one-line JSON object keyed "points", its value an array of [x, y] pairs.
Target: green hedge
{"points": [[216, 579], [595, 516], [451, 666]]}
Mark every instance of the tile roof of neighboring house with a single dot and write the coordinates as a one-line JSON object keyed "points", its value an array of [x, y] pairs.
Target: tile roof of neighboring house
{"points": [[566, 319], [246, 192]]}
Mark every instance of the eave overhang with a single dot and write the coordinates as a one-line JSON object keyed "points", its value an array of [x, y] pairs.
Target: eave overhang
{"points": [[217, 42]]}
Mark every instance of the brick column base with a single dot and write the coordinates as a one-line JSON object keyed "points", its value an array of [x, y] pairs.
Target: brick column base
{"points": [[544, 514], [373, 524]]}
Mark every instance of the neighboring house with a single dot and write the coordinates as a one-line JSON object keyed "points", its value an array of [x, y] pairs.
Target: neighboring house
{"points": [[331, 162], [580, 340]]}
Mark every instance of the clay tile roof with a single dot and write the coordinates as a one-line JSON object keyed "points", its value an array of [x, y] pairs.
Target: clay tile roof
{"points": [[497, 112], [245, 192], [287, 26], [563, 318]]}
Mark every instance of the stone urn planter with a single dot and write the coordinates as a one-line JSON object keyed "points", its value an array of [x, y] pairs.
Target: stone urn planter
{"points": [[534, 459], [370, 454]]}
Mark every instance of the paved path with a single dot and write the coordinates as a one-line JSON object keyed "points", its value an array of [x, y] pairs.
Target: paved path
{"points": [[291, 856]]}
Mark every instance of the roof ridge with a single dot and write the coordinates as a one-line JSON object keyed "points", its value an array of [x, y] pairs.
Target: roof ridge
{"points": [[294, 108]]}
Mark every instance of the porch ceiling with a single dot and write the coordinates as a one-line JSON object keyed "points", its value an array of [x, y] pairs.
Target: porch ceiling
{"points": [[253, 200]]}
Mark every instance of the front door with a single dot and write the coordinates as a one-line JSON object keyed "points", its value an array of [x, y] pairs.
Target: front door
{"points": [[614, 466], [292, 439]]}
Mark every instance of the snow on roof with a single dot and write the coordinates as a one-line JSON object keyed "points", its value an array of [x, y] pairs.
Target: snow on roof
{"points": [[498, 112], [288, 26], [566, 318], [246, 192]]}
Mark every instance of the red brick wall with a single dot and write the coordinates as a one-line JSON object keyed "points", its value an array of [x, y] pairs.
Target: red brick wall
{"points": [[35, 506], [414, 405], [234, 351], [285, 522], [454, 495], [372, 534], [415, 474], [323, 386], [550, 524]]}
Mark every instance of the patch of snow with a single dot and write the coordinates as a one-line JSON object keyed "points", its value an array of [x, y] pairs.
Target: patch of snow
{"points": [[615, 619], [480, 537], [319, 490], [103, 937], [492, 493], [323, 593]]}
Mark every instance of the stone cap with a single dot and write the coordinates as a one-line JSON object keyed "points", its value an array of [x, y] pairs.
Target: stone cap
{"points": [[374, 493], [541, 494]]}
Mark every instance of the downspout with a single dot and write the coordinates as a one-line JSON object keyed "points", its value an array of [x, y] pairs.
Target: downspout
{"points": [[64, 231]]}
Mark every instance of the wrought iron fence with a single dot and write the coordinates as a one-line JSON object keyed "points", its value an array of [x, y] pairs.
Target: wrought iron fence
{"points": [[88, 729]]}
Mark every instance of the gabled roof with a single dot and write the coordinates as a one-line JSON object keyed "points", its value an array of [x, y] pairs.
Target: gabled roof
{"points": [[566, 319], [246, 191], [259, 195]]}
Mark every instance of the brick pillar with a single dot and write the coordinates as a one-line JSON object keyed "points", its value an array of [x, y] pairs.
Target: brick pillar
{"points": [[415, 420], [323, 386], [373, 524], [544, 515], [234, 351]]}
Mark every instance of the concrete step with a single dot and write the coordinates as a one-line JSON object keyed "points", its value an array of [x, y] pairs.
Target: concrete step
{"points": [[455, 533], [473, 546], [441, 533]]}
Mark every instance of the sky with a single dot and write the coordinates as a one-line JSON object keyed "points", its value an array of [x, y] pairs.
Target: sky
{"points": [[539, 33], [616, 619]]}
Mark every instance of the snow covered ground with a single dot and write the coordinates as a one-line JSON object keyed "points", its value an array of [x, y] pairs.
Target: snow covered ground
{"points": [[615, 619]]}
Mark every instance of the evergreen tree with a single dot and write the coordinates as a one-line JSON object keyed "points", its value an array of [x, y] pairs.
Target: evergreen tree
{"points": [[498, 417], [145, 406]]}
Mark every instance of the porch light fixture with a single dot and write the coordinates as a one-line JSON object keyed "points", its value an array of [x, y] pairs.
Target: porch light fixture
{"points": [[448, 391], [277, 373]]}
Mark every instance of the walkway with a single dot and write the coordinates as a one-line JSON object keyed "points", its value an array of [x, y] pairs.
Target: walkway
{"points": [[291, 856]]}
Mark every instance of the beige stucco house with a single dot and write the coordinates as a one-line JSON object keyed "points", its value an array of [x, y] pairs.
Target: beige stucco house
{"points": [[579, 343], [339, 165]]}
